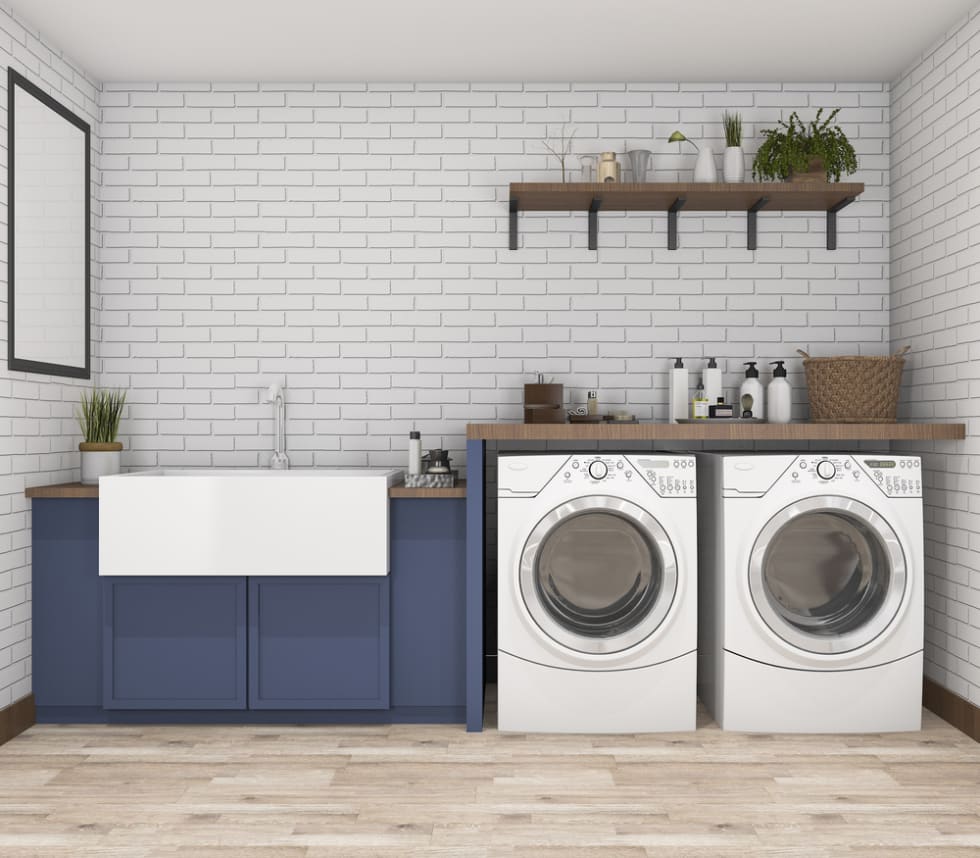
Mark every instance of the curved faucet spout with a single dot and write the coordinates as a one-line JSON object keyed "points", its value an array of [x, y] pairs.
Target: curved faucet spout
{"points": [[279, 460]]}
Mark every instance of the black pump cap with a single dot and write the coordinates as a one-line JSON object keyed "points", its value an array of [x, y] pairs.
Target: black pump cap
{"points": [[751, 372], [413, 435], [712, 364], [678, 363], [780, 370]]}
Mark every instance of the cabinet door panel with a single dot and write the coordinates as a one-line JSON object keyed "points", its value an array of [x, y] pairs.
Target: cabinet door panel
{"points": [[318, 643], [65, 602], [428, 586], [174, 643]]}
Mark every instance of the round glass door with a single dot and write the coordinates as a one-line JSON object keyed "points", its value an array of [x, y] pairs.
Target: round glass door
{"points": [[598, 574], [827, 574]]}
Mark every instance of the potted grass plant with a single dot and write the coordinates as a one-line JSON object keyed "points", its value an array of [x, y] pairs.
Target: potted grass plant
{"points": [[795, 152], [733, 162], [98, 415]]}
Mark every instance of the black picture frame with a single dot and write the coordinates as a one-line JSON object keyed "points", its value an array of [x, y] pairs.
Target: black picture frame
{"points": [[17, 80]]}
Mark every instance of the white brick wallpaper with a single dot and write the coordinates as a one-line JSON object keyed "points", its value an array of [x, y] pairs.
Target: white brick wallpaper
{"points": [[935, 307], [38, 435], [353, 239]]}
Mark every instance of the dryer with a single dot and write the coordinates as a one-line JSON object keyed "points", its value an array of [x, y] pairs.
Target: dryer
{"points": [[597, 588], [811, 592]]}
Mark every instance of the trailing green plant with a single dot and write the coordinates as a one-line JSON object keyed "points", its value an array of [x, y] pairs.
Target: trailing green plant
{"points": [[733, 128], [793, 146], [99, 414]]}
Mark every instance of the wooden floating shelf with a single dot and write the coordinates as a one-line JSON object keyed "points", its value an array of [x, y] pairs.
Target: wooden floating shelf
{"points": [[716, 431], [672, 197]]}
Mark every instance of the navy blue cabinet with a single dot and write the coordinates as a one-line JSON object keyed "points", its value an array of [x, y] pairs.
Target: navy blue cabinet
{"points": [[318, 643], [369, 649], [174, 643], [428, 597], [65, 595]]}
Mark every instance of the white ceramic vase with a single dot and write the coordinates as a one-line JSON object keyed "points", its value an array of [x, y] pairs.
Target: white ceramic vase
{"points": [[704, 167], [99, 460], [733, 164]]}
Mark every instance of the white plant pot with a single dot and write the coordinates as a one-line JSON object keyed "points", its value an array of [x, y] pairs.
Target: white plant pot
{"points": [[704, 167], [733, 164], [99, 460]]}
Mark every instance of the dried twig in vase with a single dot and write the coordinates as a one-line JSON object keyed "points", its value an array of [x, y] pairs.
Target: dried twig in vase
{"points": [[563, 150]]}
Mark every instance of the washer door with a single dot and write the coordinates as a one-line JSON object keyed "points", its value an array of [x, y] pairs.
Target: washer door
{"points": [[598, 574], [827, 574]]}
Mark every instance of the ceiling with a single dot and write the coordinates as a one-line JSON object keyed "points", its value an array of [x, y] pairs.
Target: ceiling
{"points": [[493, 40]]}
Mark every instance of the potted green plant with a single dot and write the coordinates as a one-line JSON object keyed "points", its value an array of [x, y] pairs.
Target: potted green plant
{"points": [[796, 152], [733, 162], [98, 417]]}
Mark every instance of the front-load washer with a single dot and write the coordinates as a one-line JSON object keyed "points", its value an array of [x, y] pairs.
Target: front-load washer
{"points": [[597, 581], [811, 592]]}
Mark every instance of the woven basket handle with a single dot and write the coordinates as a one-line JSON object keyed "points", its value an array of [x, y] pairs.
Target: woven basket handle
{"points": [[903, 351], [801, 352]]}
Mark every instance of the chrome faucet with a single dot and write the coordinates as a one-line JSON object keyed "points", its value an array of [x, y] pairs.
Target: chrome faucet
{"points": [[279, 460]]}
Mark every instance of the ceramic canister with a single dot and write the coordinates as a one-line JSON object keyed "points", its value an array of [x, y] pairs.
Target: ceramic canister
{"points": [[608, 167]]}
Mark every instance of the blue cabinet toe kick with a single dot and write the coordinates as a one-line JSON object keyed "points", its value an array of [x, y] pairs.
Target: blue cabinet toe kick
{"points": [[395, 715]]}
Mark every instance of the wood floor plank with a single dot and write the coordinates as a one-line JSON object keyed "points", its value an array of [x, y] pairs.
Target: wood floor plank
{"points": [[431, 790]]}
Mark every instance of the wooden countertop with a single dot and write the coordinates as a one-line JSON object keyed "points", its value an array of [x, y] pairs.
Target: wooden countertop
{"points": [[62, 490], [709, 431], [403, 491], [77, 490]]}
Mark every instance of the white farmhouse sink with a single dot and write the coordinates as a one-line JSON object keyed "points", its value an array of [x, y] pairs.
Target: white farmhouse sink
{"points": [[212, 521]]}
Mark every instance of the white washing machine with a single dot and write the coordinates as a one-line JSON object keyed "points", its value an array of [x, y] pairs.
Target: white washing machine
{"points": [[597, 587], [812, 591]]}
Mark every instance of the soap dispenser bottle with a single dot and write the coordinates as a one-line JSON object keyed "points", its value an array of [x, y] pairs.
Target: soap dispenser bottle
{"points": [[712, 381], [779, 395], [753, 387], [679, 387]]}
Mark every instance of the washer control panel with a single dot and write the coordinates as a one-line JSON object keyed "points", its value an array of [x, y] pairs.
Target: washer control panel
{"points": [[895, 476], [669, 476]]}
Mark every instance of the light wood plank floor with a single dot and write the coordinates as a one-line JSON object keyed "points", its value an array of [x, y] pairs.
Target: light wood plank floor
{"points": [[308, 792]]}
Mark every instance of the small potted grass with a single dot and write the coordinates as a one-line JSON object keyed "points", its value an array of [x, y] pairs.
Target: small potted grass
{"points": [[98, 415], [733, 165]]}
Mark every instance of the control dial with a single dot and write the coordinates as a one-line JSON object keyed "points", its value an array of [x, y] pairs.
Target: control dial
{"points": [[826, 470], [598, 469]]}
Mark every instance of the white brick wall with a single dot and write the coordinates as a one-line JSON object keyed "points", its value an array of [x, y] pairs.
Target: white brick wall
{"points": [[38, 435], [353, 239], [935, 307]]}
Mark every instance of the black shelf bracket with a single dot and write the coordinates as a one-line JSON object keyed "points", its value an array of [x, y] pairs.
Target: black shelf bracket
{"points": [[513, 223], [832, 222], [594, 223], [675, 207], [751, 239]]}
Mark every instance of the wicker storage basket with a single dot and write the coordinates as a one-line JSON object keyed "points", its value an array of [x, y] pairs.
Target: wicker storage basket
{"points": [[854, 389]]}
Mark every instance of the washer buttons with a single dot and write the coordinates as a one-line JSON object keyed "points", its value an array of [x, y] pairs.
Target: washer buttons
{"points": [[575, 464]]}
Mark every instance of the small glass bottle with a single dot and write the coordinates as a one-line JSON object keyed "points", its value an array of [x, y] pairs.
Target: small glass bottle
{"points": [[592, 403], [699, 405]]}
